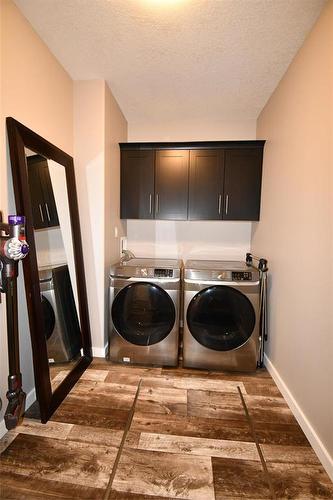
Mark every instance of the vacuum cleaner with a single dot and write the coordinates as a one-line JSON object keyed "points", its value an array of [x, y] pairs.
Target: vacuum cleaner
{"points": [[13, 248]]}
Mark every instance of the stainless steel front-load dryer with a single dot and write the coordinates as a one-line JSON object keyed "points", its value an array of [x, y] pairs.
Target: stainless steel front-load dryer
{"points": [[144, 311], [61, 322], [221, 315]]}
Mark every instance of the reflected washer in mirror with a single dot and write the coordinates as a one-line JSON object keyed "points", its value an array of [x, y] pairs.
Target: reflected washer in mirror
{"points": [[21, 138]]}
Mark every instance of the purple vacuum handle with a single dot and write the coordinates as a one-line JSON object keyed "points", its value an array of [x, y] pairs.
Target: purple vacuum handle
{"points": [[14, 220]]}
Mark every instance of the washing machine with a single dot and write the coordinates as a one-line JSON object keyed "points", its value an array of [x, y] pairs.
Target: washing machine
{"points": [[61, 324], [221, 315], [144, 311]]}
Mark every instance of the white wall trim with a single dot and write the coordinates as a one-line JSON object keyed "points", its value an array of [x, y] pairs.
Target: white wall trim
{"points": [[99, 352], [315, 441], [3, 429], [30, 399]]}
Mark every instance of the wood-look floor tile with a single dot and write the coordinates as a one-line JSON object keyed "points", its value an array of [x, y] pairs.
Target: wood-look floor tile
{"points": [[58, 460], [90, 415], [102, 394], [301, 482], [94, 375], [120, 495], [95, 435], [263, 387], [6, 440], [182, 425], [239, 479], [215, 405], [33, 411], [198, 446], [164, 474], [195, 383], [269, 409], [162, 400], [132, 439], [116, 377], [261, 373], [18, 487], [289, 454], [57, 378], [277, 433], [56, 430], [132, 369]]}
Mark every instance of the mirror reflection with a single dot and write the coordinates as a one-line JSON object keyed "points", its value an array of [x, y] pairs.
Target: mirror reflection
{"points": [[56, 266]]}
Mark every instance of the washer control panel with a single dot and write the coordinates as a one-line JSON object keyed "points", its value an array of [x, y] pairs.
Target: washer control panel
{"points": [[241, 276], [163, 273]]}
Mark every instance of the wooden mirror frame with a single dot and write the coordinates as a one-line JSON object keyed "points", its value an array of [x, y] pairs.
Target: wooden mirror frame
{"points": [[20, 137]]}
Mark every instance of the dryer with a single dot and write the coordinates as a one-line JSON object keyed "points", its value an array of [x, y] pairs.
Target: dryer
{"points": [[221, 315], [144, 311], [61, 323]]}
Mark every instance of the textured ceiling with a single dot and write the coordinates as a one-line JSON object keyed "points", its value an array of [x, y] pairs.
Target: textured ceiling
{"points": [[192, 59]]}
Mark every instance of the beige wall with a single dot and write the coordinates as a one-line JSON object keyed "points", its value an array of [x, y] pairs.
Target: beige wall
{"points": [[37, 91], [98, 127], [205, 239], [114, 228], [295, 232]]}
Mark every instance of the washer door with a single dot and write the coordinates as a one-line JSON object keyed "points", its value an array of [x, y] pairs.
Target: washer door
{"points": [[143, 313], [221, 318], [48, 317]]}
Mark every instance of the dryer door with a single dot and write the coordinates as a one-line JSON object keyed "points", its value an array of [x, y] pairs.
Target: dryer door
{"points": [[221, 318], [143, 313], [48, 317]]}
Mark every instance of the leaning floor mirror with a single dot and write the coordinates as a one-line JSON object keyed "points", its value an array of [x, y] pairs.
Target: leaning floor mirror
{"points": [[45, 192]]}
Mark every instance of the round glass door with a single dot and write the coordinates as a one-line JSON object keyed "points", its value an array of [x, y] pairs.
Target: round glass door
{"points": [[221, 318], [48, 317], [143, 313]]}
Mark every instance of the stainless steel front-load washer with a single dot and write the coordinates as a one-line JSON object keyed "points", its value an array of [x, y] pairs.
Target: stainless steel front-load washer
{"points": [[144, 311], [221, 315]]}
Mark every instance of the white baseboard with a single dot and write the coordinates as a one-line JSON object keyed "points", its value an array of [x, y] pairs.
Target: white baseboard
{"points": [[99, 352], [3, 429], [316, 443], [30, 399]]}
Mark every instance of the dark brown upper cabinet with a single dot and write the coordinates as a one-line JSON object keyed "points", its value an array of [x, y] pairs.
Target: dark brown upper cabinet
{"points": [[44, 210], [171, 184], [218, 180], [137, 185], [206, 184], [242, 184]]}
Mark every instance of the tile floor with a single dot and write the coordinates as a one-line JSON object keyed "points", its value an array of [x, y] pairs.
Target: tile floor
{"points": [[148, 433]]}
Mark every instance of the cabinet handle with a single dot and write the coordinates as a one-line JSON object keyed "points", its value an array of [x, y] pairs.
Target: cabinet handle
{"points": [[226, 204], [220, 202], [47, 212], [41, 212], [157, 204], [150, 204]]}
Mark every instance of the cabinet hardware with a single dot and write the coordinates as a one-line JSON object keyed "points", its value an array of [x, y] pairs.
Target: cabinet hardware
{"points": [[47, 211], [150, 204], [226, 204], [157, 204], [41, 212], [220, 201]]}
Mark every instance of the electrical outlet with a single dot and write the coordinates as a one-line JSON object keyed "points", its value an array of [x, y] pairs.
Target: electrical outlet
{"points": [[123, 244]]}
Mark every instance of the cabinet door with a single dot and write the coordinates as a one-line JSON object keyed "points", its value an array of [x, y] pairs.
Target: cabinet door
{"points": [[171, 184], [242, 184], [49, 201], [137, 185], [206, 184], [37, 198]]}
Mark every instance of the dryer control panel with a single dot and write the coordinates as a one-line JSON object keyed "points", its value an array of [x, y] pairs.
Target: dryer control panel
{"points": [[241, 276], [163, 273]]}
